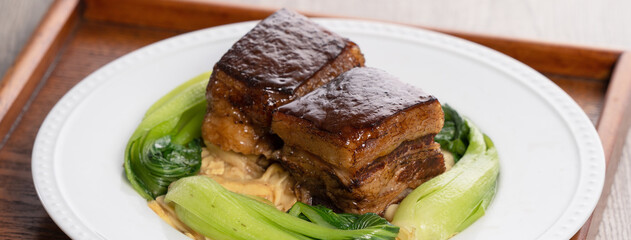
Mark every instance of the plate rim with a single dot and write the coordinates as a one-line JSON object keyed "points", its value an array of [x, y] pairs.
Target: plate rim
{"points": [[588, 144]]}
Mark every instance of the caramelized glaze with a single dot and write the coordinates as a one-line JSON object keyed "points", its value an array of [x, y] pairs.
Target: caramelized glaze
{"points": [[281, 52], [359, 98]]}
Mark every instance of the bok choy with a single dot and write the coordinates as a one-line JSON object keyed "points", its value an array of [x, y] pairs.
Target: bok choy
{"points": [[454, 137], [450, 202], [208, 208], [166, 145]]}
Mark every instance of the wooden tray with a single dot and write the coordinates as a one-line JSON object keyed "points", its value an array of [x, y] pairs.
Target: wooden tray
{"points": [[77, 37]]}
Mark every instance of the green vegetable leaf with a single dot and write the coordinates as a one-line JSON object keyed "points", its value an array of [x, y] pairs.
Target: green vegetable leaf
{"points": [[450, 202], [454, 137], [166, 153], [369, 220], [326, 217], [167, 145], [200, 201]]}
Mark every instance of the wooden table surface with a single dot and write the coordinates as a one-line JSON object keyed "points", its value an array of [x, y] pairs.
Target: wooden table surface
{"points": [[604, 23]]}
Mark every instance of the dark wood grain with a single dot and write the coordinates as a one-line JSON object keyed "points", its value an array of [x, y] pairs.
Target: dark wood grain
{"points": [[184, 15], [92, 46], [109, 29]]}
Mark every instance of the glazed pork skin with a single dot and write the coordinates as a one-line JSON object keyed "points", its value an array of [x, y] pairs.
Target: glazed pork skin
{"points": [[365, 137], [283, 57], [365, 113]]}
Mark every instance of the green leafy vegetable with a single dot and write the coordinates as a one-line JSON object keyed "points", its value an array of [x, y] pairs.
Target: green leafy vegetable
{"points": [[166, 145], [449, 203], [208, 208], [454, 137], [326, 217]]}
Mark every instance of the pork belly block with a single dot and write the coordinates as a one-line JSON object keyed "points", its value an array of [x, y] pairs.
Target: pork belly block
{"points": [[283, 57], [365, 137]]}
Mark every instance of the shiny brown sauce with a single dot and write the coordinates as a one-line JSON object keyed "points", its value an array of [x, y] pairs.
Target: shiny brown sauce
{"points": [[359, 98], [281, 52]]}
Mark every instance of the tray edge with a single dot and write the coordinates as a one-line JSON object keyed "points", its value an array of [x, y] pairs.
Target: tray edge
{"points": [[34, 61]]}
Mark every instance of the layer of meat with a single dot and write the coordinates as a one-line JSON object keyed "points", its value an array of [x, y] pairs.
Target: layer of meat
{"points": [[365, 138], [285, 56], [373, 187]]}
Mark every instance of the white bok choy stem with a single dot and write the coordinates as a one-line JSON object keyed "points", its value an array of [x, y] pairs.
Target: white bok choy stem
{"points": [[449, 203]]}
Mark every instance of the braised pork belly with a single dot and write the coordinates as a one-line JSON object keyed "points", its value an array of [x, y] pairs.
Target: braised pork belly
{"points": [[355, 138], [360, 141], [284, 57]]}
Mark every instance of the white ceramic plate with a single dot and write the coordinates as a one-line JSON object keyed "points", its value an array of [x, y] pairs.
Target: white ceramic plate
{"points": [[552, 162]]}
